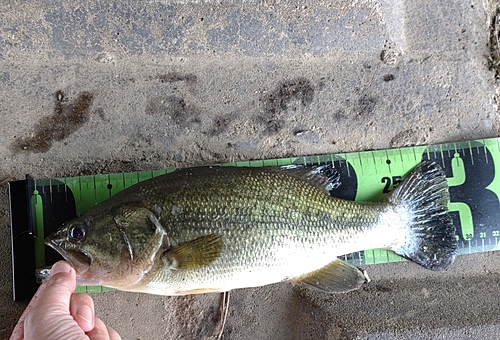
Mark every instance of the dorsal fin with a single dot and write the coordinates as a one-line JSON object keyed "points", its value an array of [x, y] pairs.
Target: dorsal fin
{"points": [[323, 176]]}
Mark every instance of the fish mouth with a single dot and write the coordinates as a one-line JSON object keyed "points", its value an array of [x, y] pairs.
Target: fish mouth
{"points": [[78, 259]]}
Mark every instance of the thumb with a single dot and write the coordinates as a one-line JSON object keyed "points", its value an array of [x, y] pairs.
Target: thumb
{"points": [[50, 312], [58, 290], [35, 314]]}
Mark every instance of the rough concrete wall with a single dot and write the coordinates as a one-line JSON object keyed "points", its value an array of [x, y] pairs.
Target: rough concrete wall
{"points": [[168, 84]]}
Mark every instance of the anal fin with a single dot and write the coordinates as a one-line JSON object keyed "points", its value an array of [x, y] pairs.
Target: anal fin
{"points": [[336, 277]]}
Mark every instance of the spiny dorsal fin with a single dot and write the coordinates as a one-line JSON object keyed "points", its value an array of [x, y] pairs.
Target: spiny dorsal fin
{"points": [[194, 254], [336, 277], [324, 176]]}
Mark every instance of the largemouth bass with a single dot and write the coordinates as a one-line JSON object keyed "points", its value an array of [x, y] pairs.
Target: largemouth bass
{"points": [[214, 229]]}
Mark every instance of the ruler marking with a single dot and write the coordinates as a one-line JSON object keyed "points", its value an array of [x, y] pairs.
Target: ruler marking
{"points": [[388, 161], [65, 191], [95, 189], [80, 185], [50, 190], [347, 165], [442, 156], [361, 164], [470, 151]]}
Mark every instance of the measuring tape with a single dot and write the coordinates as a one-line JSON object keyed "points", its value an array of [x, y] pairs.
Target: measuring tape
{"points": [[472, 169]]}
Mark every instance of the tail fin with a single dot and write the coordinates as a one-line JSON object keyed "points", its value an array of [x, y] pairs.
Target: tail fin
{"points": [[431, 240]]}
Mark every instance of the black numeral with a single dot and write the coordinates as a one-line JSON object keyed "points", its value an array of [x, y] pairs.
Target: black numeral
{"points": [[395, 180]]}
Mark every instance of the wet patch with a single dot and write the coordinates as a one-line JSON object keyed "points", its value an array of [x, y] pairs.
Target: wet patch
{"points": [[165, 78], [280, 100], [366, 105], [340, 115], [220, 125], [68, 117], [198, 316], [172, 77], [175, 107]]}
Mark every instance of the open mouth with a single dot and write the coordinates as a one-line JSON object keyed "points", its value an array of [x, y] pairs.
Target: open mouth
{"points": [[78, 259]]}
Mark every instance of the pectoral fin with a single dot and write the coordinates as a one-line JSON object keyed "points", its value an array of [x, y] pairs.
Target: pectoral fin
{"points": [[336, 277], [196, 253]]}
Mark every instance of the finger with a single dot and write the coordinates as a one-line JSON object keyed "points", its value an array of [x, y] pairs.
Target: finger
{"points": [[61, 271], [100, 331], [59, 287], [18, 332], [81, 307], [113, 335]]}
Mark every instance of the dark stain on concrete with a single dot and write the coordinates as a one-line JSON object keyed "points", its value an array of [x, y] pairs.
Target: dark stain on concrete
{"points": [[207, 325], [175, 107], [366, 105], [220, 125], [388, 77], [172, 77], [340, 115], [67, 118], [166, 78], [278, 101]]}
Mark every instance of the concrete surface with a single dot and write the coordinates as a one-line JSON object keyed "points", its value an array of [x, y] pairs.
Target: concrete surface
{"points": [[97, 87]]}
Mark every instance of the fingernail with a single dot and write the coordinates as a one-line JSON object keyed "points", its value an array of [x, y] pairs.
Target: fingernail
{"points": [[60, 267], [85, 313]]}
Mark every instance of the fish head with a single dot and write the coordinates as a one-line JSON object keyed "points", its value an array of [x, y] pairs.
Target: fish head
{"points": [[101, 249]]}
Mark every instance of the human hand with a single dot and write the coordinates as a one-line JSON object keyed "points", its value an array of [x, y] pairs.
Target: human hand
{"points": [[56, 312]]}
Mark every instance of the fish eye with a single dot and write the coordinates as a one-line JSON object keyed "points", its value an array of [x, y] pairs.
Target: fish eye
{"points": [[77, 232]]}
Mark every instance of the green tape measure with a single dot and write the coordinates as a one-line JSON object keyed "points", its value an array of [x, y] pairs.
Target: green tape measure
{"points": [[472, 170]]}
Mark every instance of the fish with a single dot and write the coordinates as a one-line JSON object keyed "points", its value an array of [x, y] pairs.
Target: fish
{"points": [[216, 228]]}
